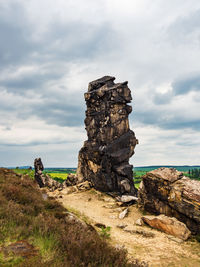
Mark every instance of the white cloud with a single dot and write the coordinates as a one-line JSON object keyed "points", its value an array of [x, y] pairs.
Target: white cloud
{"points": [[34, 132]]}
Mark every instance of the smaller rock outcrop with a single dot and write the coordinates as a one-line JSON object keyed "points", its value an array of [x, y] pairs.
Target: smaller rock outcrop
{"points": [[71, 180], [44, 180], [167, 191], [71, 184], [168, 225], [38, 171]]}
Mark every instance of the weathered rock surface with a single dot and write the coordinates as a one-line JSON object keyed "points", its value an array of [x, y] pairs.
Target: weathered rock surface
{"points": [[168, 225], [104, 158], [139, 222], [45, 180], [127, 198], [167, 191], [71, 180]]}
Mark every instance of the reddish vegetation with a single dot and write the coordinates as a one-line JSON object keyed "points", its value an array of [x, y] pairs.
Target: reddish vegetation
{"points": [[25, 215]]}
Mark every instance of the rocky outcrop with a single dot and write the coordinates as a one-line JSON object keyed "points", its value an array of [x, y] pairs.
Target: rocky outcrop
{"points": [[167, 191], [104, 158], [38, 165], [44, 180], [71, 180], [168, 225]]}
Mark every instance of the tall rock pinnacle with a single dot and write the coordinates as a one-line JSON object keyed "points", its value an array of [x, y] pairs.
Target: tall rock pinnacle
{"points": [[104, 157]]}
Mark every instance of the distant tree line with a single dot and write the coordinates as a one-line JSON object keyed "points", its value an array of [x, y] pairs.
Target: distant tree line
{"points": [[194, 173]]}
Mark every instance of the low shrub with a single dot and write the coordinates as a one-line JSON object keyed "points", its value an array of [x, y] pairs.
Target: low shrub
{"points": [[25, 215]]}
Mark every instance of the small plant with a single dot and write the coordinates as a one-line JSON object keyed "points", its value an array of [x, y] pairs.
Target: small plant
{"points": [[105, 232]]}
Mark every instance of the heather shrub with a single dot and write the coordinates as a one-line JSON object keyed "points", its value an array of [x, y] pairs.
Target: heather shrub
{"points": [[25, 215]]}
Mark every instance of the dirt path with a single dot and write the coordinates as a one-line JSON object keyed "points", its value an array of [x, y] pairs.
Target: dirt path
{"points": [[160, 250]]}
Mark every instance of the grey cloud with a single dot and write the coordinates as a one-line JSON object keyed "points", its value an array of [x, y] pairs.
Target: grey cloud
{"points": [[166, 119], [33, 143], [180, 87], [62, 114], [177, 123], [59, 109], [77, 40], [31, 81], [185, 85], [15, 43], [61, 44], [187, 143], [162, 99], [186, 28]]}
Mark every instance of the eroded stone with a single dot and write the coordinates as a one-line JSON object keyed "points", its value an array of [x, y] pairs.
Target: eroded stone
{"points": [[169, 225], [123, 214], [104, 157], [167, 191]]}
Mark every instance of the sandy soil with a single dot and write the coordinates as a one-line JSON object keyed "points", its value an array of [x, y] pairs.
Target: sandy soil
{"points": [[160, 250]]}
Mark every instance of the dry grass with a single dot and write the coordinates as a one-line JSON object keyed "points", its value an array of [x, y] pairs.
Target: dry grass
{"points": [[25, 215]]}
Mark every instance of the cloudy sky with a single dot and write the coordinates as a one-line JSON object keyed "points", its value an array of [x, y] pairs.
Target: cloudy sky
{"points": [[49, 52]]}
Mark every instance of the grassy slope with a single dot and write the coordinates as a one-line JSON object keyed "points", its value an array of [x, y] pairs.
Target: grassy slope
{"points": [[25, 215]]}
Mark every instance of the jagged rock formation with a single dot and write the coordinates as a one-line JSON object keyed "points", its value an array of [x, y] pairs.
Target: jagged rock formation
{"points": [[167, 191], [45, 180], [104, 158], [38, 165]]}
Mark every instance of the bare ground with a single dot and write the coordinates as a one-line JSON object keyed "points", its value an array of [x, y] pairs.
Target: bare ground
{"points": [[159, 250]]}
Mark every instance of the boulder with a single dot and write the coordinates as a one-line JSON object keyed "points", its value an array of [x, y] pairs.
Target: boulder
{"points": [[167, 191], [168, 225], [104, 158]]}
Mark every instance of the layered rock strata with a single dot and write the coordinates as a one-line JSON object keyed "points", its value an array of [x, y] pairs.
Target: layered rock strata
{"points": [[104, 157], [167, 191]]}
